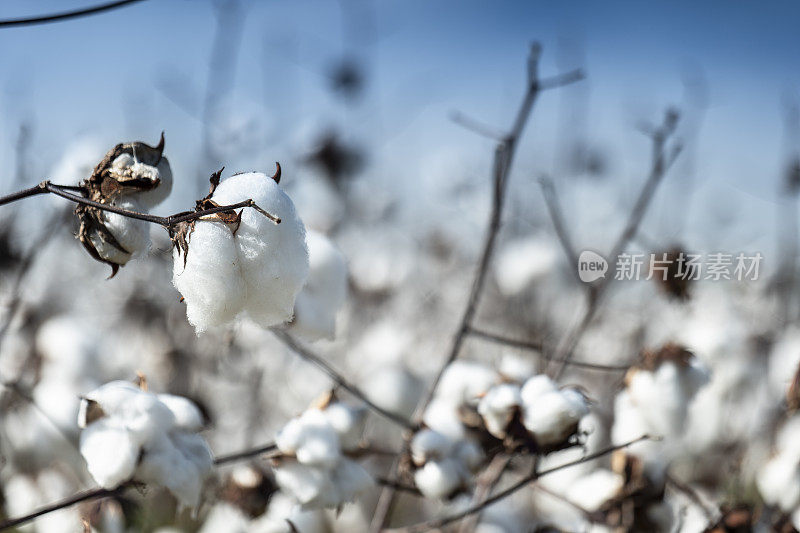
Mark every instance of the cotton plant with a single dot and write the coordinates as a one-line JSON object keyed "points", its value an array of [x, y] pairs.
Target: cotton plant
{"points": [[443, 466], [314, 466], [254, 262], [778, 479], [324, 292], [132, 176], [131, 435]]}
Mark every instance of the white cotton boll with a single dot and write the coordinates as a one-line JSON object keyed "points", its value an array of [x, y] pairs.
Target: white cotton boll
{"points": [[311, 438], [132, 235], [325, 290], [348, 422], [497, 407], [442, 415], [211, 281], [778, 482], [282, 508], [438, 479], [224, 518], [535, 387], [465, 381], [351, 480], [522, 262], [187, 415], [162, 172], [304, 483], [274, 257], [110, 452], [429, 444], [554, 416], [178, 462], [594, 489]]}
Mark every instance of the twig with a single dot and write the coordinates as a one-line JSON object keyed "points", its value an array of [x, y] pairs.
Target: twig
{"points": [[396, 485], [693, 496], [661, 162], [246, 454], [57, 17], [168, 222], [503, 159], [93, 494], [476, 126], [320, 363], [538, 346], [556, 215], [441, 522], [490, 478]]}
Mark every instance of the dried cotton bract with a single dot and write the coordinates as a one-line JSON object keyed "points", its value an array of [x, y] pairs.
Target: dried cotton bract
{"points": [[314, 469], [132, 176], [130, 434], [226, 265]]}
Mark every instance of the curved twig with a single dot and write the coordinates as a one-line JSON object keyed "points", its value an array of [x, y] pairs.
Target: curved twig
{"points": [[57, 17]]}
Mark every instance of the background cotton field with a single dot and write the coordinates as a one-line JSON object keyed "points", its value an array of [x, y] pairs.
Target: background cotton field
{"points": [[366, 266]]}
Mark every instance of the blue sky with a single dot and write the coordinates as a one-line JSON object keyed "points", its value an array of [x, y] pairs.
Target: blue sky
{"points": [[101, 75]]}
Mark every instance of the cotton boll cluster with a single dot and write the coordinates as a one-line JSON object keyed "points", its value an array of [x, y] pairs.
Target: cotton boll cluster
{"points": [[130, 434], [314, 468], [256, 266], [325, 290], [444, 466]]}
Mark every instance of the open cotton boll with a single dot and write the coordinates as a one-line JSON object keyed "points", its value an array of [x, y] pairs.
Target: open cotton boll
{"points": [[465, 381], [497, 408], [132, 236], [259, 269], [594, 489], [442, 415], [429, 444], [187, 415], [778, 482], [438, 479], [159, 175], [535, 387], [325, 290], [274, 256], [210, 280], [516, 367], [445, 465], [130, 434], [553, 416], [348, 422], [316, 487], [311, 438]]}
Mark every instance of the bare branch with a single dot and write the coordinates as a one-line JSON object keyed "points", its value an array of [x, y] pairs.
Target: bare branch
{"points": [[320, 363], [246, 454], [556, 215], [441, 522], [93, 494], [539, 347], [57, 17]]}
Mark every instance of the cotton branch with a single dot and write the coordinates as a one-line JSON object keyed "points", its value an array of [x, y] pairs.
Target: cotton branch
{"points": [[441, 522], [557, 216], [503, 159], [340, 380], [57, 17], [662, 160], [168, 222]]}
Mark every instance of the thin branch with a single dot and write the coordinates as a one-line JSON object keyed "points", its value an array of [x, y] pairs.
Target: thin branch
{"points": [[246, 454], [396, 485], [692, 494], [490, 478], [539, 347], [65, 191], [557, 216], [93, 494], [661, 162], [57, 17], [441, 522], [320, 363], [476, 126]]}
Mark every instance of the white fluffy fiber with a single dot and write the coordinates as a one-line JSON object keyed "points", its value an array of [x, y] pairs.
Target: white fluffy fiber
{"points": [[551, 416], [147, 437], [497, 407], [161, 174], [259, 270], [325, 290], [778, 480], [444, 465], [315, 472], [132, 234]]}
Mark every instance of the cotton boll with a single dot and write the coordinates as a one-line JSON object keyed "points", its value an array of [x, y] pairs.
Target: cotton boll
{"points": [[442, 415], [132, 235], [110, 452], [516, 367], [162, 172], [554, 416], [465, 381], [438, 479], [535, 387], [283, 508], [325, 290], [178, 462], [274, 257], [211, 281], [224, 518], [187, 416], [351, 480], [348, 422], [594, 489], [497, 408], [429, 444], [302, 482], [311, 438]]}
